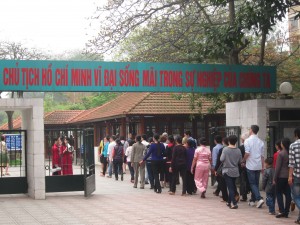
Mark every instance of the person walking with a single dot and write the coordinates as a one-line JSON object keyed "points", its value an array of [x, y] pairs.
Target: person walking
{"points": [[128, 155], [268, 185], [278, 149], [231, 158], [254, 158], [148, 168], [294, 170], [221, 180], [202, 160], [118, 158], [104, 156], [281, 179], [146, 143], [215, 152], [168, 154], [178, 166], [137, 153], [157, 152], [111, 146], [190, 179], [244, 183]]}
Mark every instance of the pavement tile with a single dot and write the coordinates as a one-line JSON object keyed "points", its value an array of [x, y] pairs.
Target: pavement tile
{"points": [[117, 202]]}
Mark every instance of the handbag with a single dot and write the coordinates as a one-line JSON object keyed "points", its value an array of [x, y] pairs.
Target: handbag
{"points": [[219, 170]]}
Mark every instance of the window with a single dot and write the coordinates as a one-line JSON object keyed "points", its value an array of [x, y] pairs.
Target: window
{"points": [[200, 129], [188, 126], [116, 129], [150, 130], [163, 127], [176, 128], [132, 128]]}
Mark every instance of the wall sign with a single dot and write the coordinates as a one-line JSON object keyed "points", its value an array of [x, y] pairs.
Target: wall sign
{"points": [[95, 76]]}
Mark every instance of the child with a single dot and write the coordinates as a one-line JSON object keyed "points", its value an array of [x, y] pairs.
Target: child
{"points": [[268, 185]]}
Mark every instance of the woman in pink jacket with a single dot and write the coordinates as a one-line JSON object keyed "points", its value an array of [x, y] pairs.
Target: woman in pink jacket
{"points": [[202, 160]]}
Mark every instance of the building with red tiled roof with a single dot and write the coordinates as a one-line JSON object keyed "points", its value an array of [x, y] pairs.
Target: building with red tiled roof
{"points": [[148, 113], [138, 113]]}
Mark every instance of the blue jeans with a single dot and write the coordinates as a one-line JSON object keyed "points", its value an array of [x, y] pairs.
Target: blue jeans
{"points": [[270, 202], [150, 173], [296, 193], [253, 177], [110, 167], [230, 182], [131, 170]]}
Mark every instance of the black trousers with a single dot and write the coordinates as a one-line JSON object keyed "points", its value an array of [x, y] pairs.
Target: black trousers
{"points": [[190, 183], [167, 173], [244, 184], [118, 168], [105, 163], [223, 187], [179, 170], [157, 168], [283, 188]]}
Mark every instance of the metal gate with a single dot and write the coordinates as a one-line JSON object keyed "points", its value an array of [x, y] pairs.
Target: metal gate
{"points": [[13, 172], [223, 132], [82, 162]]}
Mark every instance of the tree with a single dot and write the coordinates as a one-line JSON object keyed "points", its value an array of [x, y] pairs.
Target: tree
{"points": [[211, 31], [17, 51], [219, 27]]}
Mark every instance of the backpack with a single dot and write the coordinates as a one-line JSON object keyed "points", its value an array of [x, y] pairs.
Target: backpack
{"points": [[194, 145], [118, 156]]}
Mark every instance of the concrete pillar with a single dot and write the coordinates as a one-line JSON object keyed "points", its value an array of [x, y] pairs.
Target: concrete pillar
{"points": [[33, 122]]}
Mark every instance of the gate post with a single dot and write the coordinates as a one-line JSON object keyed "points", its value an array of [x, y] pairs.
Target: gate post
{"points": [[33, 122]]}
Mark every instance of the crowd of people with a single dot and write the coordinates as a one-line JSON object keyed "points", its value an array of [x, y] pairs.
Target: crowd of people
{"points": [[162, 159]]}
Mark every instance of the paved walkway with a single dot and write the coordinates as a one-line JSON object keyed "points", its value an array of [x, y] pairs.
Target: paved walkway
{"points": [[117, 202]]}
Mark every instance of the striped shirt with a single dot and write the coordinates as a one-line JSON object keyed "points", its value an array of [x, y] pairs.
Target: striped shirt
{"points": [[294, 157]]}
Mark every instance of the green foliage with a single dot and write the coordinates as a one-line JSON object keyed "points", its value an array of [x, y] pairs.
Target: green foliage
{"points": [[62, 101], [98, 99]]}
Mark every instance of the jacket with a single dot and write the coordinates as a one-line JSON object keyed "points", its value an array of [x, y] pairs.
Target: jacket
{"points": [[267, 181]]}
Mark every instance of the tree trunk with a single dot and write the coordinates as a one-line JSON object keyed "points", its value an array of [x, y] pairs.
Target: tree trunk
{"points": [[262, 47], [10, 119]]}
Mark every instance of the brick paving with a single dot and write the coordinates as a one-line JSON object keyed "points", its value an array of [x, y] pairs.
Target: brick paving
{"points": [[117, 202]]}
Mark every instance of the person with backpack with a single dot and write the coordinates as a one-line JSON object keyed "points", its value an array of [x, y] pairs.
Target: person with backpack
{"points": [[157, 151], [118, 157]]}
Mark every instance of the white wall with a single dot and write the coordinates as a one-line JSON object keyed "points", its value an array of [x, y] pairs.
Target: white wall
{"points": [[246, 113]]}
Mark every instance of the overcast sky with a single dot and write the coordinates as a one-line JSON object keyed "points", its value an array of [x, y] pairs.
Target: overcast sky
{"points": [[53, 25]]}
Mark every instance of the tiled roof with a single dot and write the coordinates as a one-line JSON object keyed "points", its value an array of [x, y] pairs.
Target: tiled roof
{"points": [[61, 116], [168, 103], [142, 104], [120, 106], [16, 124], [50, 118], [126, 104]]}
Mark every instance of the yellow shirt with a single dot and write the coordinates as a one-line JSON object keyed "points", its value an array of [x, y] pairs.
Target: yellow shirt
{"points": [[100, 148]]}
